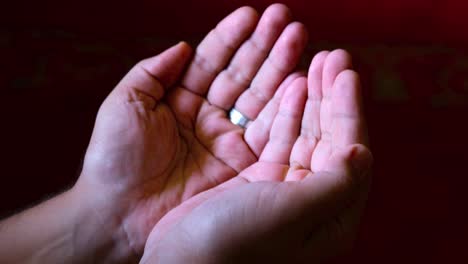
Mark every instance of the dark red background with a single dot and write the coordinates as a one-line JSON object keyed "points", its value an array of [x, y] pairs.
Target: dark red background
{"points": [[59, 59]]}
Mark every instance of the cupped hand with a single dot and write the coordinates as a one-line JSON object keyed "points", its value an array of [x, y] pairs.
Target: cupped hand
{"points": [[301, 201], [163, 136]]}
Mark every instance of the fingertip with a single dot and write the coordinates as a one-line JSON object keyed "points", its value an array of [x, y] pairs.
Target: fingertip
{"points": [[248, 13], [287, 82], [279, 10], [279, 6], [298, 85], [314, 75], [184, 46], [290, 46], [354, 160], [339, 58], [348, 75], [244, 19], [300, 81], [361, 161], [316, 65], [302, 32], [361, 158], [246, 9], [274, 19], [302, 73], [295, 96], [185, 50], [176, 53], [318, 60], [168, 65], [341, 53], [295, 34], [336, 62], [347, 84]]}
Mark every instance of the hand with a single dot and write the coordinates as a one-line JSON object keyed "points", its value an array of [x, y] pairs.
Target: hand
{"points": [[162, 137], [301, 201]]}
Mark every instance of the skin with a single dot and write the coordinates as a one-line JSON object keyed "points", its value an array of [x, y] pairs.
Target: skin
{"points": [[162, 137], [301, 201]]}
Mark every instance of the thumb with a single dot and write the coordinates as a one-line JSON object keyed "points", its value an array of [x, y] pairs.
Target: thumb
{"points": [[167, 66], [326, 193], [154, 75], [339, 222], [354, 161]]}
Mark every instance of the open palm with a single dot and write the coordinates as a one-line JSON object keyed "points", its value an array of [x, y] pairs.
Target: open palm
{"points": [[315, 150], [161, 138]]}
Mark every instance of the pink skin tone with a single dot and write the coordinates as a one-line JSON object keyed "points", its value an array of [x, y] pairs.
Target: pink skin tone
{"points": [[311, 179], [164, 135], [162, 147]]}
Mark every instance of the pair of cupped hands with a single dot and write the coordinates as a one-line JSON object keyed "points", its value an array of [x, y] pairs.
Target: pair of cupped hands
{"points": [[171, 178]]}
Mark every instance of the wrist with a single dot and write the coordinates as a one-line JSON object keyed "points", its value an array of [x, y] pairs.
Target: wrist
{"points": [[68, 228], [99, 231]]}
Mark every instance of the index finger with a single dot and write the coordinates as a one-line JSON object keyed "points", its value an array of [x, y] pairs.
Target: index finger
{"points": [[217, 48]]}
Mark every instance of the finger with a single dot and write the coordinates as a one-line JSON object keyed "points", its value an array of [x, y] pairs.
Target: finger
{"points": [[347, 119], [230, 83], [301, 154], [217, 47], [353, 159], [336, 62], [336, 236], [322, 195], [257, 133], [167, 66], [150, 77], [337, 233], [280, 62], [287, 123]]}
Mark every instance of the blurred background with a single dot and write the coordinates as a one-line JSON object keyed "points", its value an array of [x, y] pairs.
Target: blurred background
{"points": [[59, 59]]}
